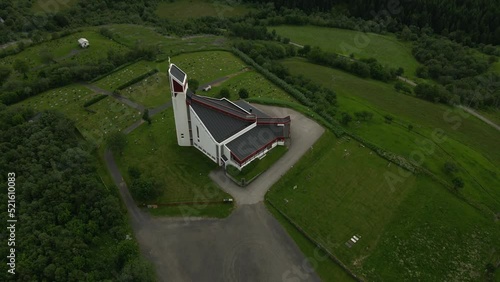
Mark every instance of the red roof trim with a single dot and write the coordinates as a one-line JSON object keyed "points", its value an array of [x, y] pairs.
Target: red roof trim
{"points": [[256, 151]]}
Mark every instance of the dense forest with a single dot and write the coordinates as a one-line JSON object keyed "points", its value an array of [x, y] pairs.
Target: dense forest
{"points": [[69, 226], [465, 21]]}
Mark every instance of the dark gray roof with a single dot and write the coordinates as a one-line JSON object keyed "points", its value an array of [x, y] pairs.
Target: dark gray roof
{"points": [[253, 140], [246, 106], [220, 125], [177, 73]]}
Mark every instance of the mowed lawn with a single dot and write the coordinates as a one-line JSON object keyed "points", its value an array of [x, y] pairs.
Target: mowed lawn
{"points": [[62, 49], [49, 7], [387, 49], [130, 35], [113, 81], [208, 66], [168, 46], [188, 9], [150, 92], [96, 123], [491, 114], [414, 230], [257, 86], [470, 143], [183, 171]]}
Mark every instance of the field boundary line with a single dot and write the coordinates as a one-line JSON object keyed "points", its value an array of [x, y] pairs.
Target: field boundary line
{"points": [[317, 244]]}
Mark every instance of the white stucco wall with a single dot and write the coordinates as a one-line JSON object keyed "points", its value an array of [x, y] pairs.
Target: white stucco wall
{"points": [[181, 117], [203, 141]]}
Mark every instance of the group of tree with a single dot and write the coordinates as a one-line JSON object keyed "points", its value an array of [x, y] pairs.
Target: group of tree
{"points": [[69, 218], [144, 189], [460, 71], [322, 100], [27, 83], [363, 68], [466, 21]]}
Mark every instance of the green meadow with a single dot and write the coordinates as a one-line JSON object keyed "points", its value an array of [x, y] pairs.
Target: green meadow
{"points": [[469, 143], [150, 92], [188, 9], [96, 122], [208, 66], [387, 49], [408, 231], [182, 171], [114, 80], [257, 86], [62, 49]]}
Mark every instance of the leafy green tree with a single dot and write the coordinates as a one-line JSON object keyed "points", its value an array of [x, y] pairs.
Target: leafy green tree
{"points": [[224, 93], [21, 67], [134, 172], [458, 183], [450, 168], [117, 142], [146, 189], [4, 73], [243, 93], [193, 84], [304, 51], [388, 118], [46, 56], [345, 118], [146, 116]]}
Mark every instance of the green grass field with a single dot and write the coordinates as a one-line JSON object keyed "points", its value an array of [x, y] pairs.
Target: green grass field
{"points": [[150, 92], [105, 117], [326, 268], [130, 35], [470, 142], [99, 46], [52, 7], [387, 49], [116, 79], [182, 170], [188, 9], [257, 86], [208, 66], [491, 114], [416, 231]]}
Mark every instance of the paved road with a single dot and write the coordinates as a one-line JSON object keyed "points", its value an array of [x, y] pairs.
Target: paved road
{"points": [[304, 133], [249, 245], [479, 116]]}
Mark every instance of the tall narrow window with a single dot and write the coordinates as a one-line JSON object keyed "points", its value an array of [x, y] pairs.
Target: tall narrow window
{"points": [[197, 132]]}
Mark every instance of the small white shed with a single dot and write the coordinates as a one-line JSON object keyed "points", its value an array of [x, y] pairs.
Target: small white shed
{"points": [[84, 43]]}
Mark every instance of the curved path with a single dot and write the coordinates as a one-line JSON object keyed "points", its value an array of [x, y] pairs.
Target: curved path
{"points": [[304, 133], [249, 245]]}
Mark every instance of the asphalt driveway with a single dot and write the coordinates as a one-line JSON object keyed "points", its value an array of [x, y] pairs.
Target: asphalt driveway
{"points": [[249, 245]]}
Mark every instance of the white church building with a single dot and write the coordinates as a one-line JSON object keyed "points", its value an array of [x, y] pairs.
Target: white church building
{"points": [[229, 133]]}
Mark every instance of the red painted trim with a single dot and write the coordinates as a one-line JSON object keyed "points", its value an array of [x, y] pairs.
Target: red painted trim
{"points": [[282, 138], [177, 86]]}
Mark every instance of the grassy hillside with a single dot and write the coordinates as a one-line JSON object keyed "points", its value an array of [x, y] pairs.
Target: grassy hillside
{"points": [[470, 143], [182, 171], [96, 122], [188, 9], [387, 49], [415, 230]]}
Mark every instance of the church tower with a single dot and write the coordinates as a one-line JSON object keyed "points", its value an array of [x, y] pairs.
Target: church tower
{"points": [[179, 87]]}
